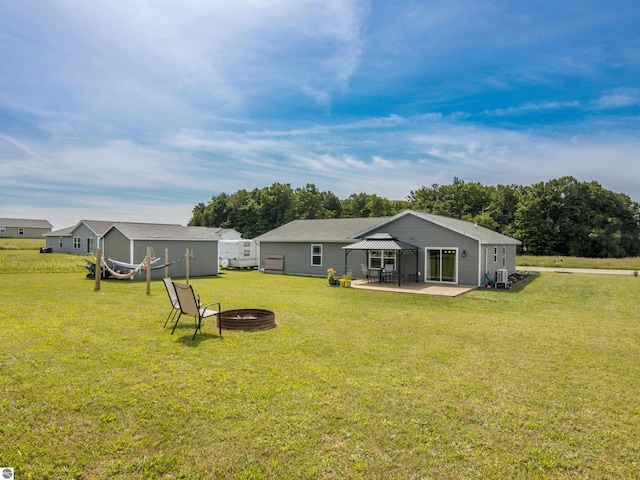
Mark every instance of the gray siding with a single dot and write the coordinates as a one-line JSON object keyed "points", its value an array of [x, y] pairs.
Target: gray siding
{"points": [[425, 234], [85, 234], [297, 258], [492, 260], [204, 263], [53, 242], [115, 245], [29, 232], [82, 232]]}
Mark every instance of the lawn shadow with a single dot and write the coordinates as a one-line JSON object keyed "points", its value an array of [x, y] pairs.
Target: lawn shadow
{"points": [[189, 341]]}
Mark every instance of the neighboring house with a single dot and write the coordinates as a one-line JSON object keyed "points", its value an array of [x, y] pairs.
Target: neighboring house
{"points": [[83, 237], [128, 242], [23, 228], [438, 249]]}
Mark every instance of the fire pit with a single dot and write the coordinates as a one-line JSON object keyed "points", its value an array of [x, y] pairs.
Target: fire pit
{"points": [[248, 319]]}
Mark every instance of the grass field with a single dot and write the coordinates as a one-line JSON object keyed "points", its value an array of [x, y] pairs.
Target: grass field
{"points": [[539, 382], [21, 243], [629, 263]]}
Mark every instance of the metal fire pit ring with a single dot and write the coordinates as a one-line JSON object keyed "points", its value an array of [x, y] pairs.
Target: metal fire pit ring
{"points": [[247, 319]]}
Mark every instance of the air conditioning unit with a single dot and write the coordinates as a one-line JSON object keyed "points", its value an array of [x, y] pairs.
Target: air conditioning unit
{"points": [[502, 276]]}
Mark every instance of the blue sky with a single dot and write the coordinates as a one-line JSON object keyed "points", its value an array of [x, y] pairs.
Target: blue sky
{"points": [[138, 110]]}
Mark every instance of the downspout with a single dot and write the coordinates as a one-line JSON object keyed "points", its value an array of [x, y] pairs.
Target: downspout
{"points": [[480, 273]]}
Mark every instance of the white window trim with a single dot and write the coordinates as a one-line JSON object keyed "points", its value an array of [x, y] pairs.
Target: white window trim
{"points": [[426, 265], [313, 254], [386, 257], [77, 243]]}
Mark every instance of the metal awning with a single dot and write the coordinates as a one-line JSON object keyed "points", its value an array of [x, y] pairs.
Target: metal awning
{"points": [[381, 241]]}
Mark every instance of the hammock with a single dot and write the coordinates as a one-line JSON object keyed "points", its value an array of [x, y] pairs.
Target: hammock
{"points": [[131, 266], [134, 268], [124, 276]]}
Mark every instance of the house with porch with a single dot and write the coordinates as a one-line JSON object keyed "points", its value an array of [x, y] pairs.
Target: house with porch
{"points": [[414, 246]]}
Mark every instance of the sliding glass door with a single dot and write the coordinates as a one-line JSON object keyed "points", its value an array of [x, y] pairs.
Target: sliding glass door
{"points": [[442, 265]]}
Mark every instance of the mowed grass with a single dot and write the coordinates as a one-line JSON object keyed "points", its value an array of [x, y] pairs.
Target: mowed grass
{"points": [[539, 382]]}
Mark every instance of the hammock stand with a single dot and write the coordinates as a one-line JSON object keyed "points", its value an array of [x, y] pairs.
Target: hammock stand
{"points": [[134, 268]]}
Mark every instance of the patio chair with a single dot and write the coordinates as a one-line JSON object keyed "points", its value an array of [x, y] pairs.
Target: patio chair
{"points": [[386, 273], [365, 272], [173, 298], [190, 305]]}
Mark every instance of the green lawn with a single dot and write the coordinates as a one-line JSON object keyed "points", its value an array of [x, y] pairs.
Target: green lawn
{"points": [[539, 382], [628, 263]]}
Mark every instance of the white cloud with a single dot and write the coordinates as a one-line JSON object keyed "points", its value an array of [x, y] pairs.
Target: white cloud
{"points": [[619, 98], [533, 107]]}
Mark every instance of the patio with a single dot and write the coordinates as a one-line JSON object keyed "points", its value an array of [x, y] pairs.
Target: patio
{"points": [[419, 288]]}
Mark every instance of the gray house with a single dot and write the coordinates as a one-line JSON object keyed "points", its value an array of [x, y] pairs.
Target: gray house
{"points": [[420, 246], [23, 228], [83, 237], [128, 242]]}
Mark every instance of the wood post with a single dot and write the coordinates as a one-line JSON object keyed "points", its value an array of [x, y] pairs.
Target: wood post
{"points": [[148, 266], [98, 270], [187, 267], [166, 262]]}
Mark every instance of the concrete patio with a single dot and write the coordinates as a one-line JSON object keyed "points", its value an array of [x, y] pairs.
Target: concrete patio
{"points": [[419, 288]]}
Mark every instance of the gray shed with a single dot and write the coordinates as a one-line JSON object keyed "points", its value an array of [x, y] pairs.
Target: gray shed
{"points": [[128, 242]]}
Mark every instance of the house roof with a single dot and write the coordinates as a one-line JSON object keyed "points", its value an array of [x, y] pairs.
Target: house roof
{"points": [[24, 222], [149, 231], [316, 230], [347, 229], [99, 227], [482, 234]]}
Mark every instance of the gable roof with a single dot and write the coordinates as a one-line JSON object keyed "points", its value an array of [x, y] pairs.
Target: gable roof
{"points": [[319, 230], [472, 230], [98, 227], [347, 229], [150, 231], [24, 222]]}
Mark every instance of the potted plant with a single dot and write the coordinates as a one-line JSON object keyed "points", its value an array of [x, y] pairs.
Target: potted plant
{"points": [[345, 280], [331, 277]]}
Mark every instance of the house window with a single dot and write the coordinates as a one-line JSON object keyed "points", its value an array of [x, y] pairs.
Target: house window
{"points": [[3, 229], [382, 258], [495, 254], [504, 257], [60, 242], [20, 231], [246, 252], [77, 241], [316, 255]]}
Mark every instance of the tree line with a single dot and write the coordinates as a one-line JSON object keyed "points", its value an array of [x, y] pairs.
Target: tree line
{"points": [[558, 217]]}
